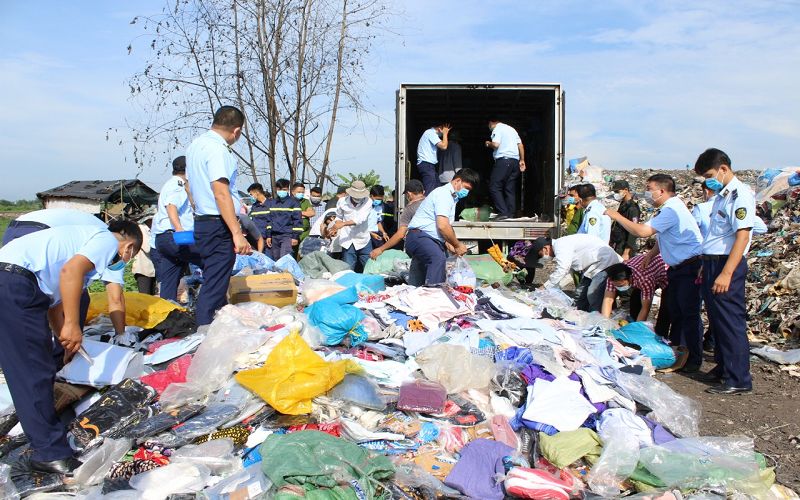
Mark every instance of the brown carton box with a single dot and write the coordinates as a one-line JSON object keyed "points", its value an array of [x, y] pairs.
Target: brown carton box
{"points": [[273, 289]]}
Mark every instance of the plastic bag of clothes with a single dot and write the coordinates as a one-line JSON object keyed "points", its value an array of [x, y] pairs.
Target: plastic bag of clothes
{"points": [[337, 319], [618, 460], [362, 282], [478, 214], [680, 414], [455, 367], [256, 261], [162, 421], [160, 483], [650, 344], [316, 264], [461, 274], [293, 375], [215, 360], [385, 262], [487, 269], [250, 482], [142, 310], [318, 289], [98, 462], [7, 488], [289, 265]]}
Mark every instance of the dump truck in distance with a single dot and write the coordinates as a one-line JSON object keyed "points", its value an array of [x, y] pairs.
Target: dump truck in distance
{"points": [[536, 111]]}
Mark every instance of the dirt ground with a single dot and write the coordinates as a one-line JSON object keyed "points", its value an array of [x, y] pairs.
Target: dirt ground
{"points": [[770, 414]]}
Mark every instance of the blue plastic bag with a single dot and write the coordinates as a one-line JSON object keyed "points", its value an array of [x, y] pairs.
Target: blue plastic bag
{"points": [[370, 283], [652, 345], [289, 265], [336, 318], [257, 261]]}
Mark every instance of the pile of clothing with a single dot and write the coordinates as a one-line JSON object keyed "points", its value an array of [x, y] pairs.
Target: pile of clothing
{"points": [[362, 390]]}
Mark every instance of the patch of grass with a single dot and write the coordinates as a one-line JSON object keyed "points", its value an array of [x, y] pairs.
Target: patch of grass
{"points": [[4, 222], [130, 283]]}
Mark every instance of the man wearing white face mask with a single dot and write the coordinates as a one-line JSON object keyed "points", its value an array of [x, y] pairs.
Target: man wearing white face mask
{"points": [[679, 241], [622, 241]]}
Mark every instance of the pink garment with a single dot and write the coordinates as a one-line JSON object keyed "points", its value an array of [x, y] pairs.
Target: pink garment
{"points": [[535, 483], [174, 373], [155, 345]]}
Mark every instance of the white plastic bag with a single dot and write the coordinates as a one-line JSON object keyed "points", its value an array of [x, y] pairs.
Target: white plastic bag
{"points": [[461, 274], [618, 460], [98, 462], [216, 454], [455, 367], [680, 414], [158, 484]]}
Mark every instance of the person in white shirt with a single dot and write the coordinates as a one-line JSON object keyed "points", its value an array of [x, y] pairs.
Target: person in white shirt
{"points": [[432, 140], [594, 220], [509, 161], [582, 253], [352, 224]]}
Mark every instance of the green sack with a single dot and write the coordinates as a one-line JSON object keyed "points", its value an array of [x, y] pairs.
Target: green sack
{"points": [[563, 448], [487, 269], [480, 214], [320, 463], [385, 262]]}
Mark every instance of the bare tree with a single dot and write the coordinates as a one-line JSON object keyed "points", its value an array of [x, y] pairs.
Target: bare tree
{"points": [[291, 65]]}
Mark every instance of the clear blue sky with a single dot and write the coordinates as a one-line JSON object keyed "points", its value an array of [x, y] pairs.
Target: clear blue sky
{"points": [[649, 83]]}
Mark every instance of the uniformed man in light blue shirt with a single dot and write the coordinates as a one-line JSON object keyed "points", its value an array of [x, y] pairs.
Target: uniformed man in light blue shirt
{"points": [[114, 280], [174, 215], [211, 172], [42, 276], [509, 161], [725, 272], [430, 231], [679, 241], [432, 140], [702, 214], [595, 222]]}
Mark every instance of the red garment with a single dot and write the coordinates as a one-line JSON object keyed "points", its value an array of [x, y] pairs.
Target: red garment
{"points": [[157, 457], [155, 345], [332, 429], [173, 374], [648, 280]]}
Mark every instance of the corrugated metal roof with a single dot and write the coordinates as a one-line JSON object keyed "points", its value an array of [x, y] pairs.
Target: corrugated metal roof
{"points": [[107, 191]]}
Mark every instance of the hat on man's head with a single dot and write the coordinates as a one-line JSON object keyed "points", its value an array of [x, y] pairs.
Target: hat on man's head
{"points": [[532, 259], [179, 164], [414, 186], [620, 184], [357, 190], [341, 190]]}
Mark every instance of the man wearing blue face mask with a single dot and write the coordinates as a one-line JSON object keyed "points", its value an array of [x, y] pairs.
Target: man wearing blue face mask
{"points": [[643, 279], [259, 207], [679, 242], [378, 235], [430, 232], [306, 210], [42, 276], [284, 222]]}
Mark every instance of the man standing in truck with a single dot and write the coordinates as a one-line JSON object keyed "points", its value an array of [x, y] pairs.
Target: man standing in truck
{"points": [[432, 140], [509, 161]]}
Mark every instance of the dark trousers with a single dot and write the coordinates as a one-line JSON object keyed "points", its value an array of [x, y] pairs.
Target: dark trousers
{"points": [[428, 176], [174, 258], [352, 256], [215, 244], [590, 292], [145, 284], [429, 253], [16, 229], [155, 258], [281, 245], [684, 310], [726, 315], [26, 356], [662, 321], [502, 186]]}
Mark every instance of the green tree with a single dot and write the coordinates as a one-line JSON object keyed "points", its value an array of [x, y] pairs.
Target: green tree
{"points": [[369, 179]]}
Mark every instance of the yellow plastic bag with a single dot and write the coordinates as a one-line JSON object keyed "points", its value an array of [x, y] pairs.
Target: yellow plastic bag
{"points": [[293, 375], [142, 310]]}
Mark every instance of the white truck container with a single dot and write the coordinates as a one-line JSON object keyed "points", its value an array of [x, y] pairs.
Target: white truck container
{"points": [[536, 111]]}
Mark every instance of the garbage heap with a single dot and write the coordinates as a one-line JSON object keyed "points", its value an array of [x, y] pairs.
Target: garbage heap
{"points": [[369, 388]]}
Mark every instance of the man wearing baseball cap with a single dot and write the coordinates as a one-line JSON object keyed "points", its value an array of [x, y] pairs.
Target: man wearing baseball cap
{"points": [[622, 241]]}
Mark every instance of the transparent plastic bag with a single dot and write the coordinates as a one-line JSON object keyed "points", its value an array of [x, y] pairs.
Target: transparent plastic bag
{"points": [[618, 460], [358, 391], [235, 331], [679, 414], [216, 454], [455, 367], [249, 483], [508, 383], [554, 300], [694, 462], [461, 274], [295, 320], [215, 415], [98, 462], [318, 289], [158, 484], [162, 421], [7, 488]]}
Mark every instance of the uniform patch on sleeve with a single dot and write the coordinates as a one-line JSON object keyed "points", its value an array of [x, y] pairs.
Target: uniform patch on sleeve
{"points": [[635, 220], [592, 221], [741, 213]]}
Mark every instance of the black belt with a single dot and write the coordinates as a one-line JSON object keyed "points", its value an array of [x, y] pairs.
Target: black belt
{"points": [[414, 230], [506, 158], [31, 223], [13, 268], [714, 257], [687, 261], [207, 217]]}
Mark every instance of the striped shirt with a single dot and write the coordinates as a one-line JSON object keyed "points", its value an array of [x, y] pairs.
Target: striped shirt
{"points": [[655, 276]]}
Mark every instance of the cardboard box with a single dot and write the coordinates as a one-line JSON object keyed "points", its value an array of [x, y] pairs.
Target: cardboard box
{"points": [[273, 289]]}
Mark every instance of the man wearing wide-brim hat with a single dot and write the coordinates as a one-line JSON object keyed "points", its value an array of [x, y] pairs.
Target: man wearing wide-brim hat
{"points": [[352, 214]]}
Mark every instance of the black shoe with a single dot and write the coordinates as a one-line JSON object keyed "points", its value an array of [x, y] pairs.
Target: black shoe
{"points": [[707, 377], [64, 466], [726, 389], [687, 368]]}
